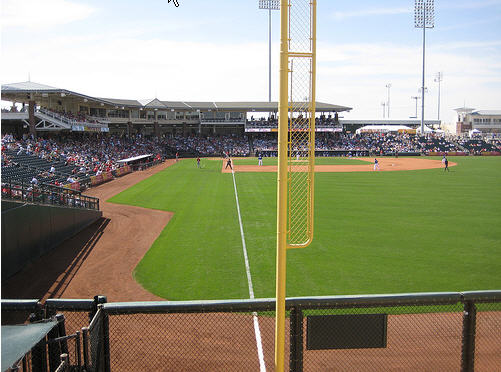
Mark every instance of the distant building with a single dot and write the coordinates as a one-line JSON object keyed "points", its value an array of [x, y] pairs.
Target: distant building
{"points": [[486, 121]]}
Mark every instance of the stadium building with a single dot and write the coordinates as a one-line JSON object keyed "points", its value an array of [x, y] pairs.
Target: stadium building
{"points": [[46, 108], [480, 121]]}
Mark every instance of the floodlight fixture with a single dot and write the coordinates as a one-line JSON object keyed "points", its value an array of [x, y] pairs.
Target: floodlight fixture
{"points": [[270, 5], [424, 13], [424, 17]]}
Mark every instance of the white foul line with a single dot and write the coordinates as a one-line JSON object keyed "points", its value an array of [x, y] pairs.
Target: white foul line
{"points": [[262, 366]]}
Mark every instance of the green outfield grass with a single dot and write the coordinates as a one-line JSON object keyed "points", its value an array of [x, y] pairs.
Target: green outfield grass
{"points": [[375, 232], [319, 161]]}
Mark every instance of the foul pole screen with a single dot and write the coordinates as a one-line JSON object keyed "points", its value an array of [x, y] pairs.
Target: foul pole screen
{"points": [[296, 145]]}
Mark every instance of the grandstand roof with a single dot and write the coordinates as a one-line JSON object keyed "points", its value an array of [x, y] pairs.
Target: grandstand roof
{"points": [[24, 91], [28, 86], [487, 112], [121, 102]]}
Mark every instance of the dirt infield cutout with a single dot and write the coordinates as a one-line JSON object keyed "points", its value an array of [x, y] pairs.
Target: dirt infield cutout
{"points": [[385, 164]]}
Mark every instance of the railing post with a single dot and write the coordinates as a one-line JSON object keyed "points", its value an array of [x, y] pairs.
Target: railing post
{"points": [[97, 300], [78, 351], [296, 340], [85, 343], [468, 342], [39, 352], [62, 332], [54, 349], [106, 340]]}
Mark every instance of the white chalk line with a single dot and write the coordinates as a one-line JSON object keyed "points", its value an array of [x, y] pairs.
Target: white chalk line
{"points": [[257, 331]]}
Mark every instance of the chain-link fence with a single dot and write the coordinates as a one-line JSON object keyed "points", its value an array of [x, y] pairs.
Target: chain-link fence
{"points": [[411, 332]]}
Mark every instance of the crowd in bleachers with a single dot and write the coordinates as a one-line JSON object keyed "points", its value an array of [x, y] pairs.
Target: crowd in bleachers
{"points": [[64, 158], [477, 145], [272, 122], [215, 145], [379, 143], [434, 143], [70, 158], [77, 117]]}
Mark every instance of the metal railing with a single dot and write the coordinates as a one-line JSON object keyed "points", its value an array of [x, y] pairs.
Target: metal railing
{"points": [[449, 331], [47, 194]]}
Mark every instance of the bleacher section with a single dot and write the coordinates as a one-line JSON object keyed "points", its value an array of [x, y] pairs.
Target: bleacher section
{"points": [[436, 144], [29, 166], [477, 145]]}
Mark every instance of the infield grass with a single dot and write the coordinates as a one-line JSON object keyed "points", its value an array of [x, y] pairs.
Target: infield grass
{"points": [[375, 232]]}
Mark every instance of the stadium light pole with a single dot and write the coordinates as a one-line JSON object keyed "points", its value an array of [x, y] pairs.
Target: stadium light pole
{"points": [[384, 108], [415, 98], [270, 5], [388, 104], [438, 79], [424, 17]]}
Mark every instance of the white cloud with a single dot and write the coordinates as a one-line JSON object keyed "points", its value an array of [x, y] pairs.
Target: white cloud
{"points": [[36, 14], [354, 75], [340, 15]]}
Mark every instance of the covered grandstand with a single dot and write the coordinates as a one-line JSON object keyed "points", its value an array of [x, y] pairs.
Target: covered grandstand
{"points": [[46, 108]]}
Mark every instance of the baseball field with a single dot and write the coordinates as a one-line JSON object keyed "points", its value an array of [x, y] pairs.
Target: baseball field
{"points": [[375, 232]]}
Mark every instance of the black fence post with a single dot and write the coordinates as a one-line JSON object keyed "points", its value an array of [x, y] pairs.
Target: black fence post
{"points": [[85, 343], [468, 342], [97, 300], [62, 332], [39, 357], [39, 352], [296, 340], [78, 350], [54, 349], [106, 340]]}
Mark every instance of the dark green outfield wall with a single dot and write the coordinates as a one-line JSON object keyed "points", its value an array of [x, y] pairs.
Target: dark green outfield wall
{"points": [[30, 230]]}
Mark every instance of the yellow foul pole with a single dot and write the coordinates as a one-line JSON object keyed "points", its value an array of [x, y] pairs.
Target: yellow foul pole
{"points": [[296, 145], [282, 191]]}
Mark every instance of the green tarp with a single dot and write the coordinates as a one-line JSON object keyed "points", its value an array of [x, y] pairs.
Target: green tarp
{"points": [[17, 340]]}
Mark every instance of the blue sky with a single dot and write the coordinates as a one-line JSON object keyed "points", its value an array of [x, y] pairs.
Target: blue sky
{"points": [[218, 50]]}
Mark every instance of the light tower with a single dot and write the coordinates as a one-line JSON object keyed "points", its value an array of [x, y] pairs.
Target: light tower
{"points": [[424, 17], [270, 5], [384, 108], [388, 86], [438, 79], [415, 98]]}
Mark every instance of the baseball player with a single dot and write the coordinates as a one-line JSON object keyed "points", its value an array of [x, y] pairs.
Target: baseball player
{"points": [[198, 162], [228, 164], [446, 163], [260, 159], [376, 164]]}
